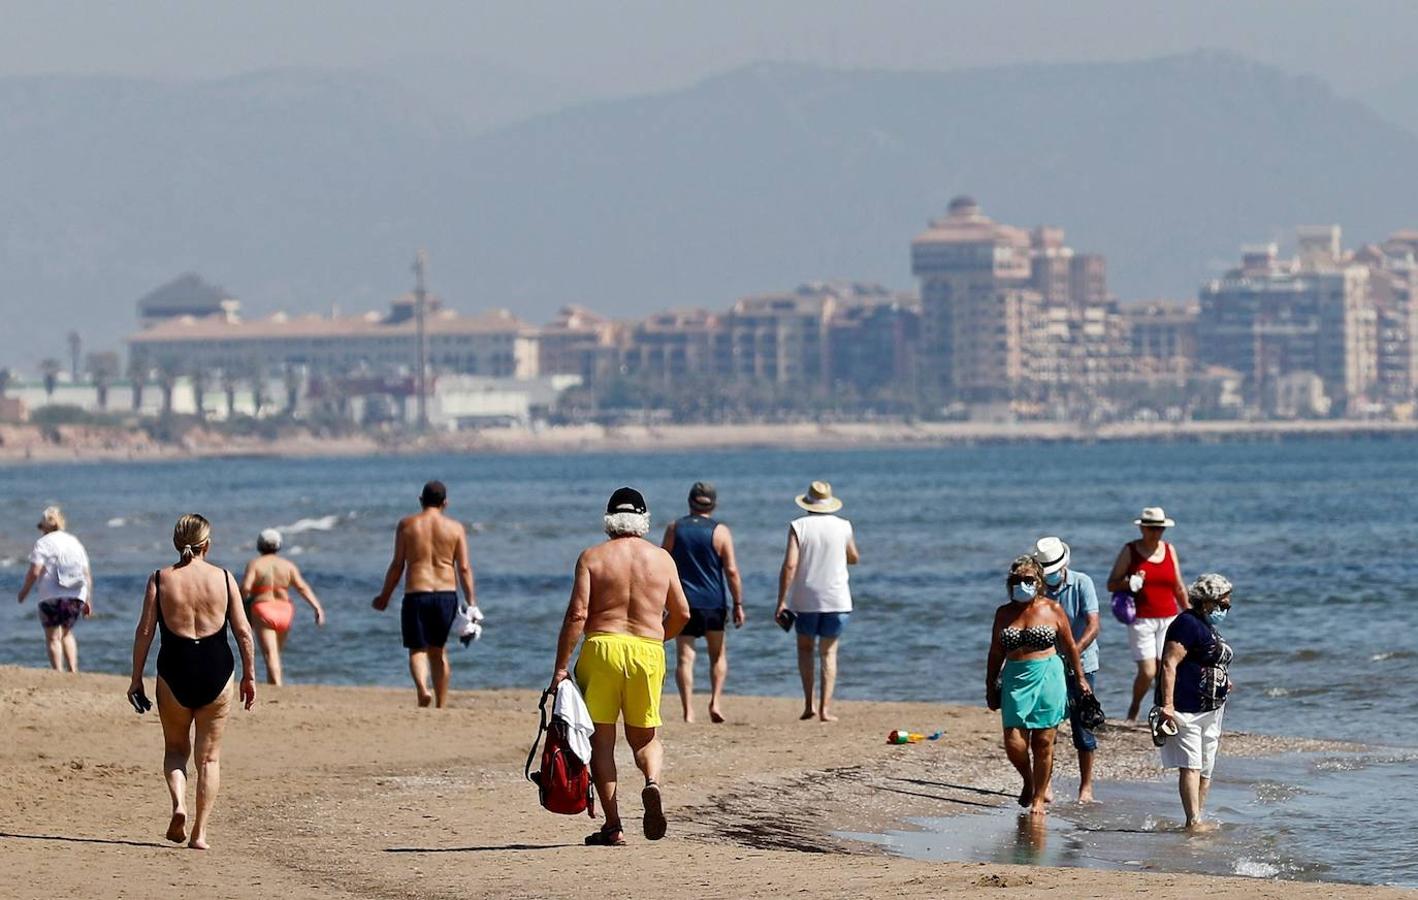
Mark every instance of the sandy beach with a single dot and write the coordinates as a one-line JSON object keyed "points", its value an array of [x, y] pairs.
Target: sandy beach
{"points": [[21, 444], [333, 792]]}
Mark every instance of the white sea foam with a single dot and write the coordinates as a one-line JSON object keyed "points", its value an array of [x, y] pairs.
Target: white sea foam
{"points": [[1277, 692], [324, 523], [117, 522], [1254, 868], [1386, 655], [297, 550], [7, 562]]}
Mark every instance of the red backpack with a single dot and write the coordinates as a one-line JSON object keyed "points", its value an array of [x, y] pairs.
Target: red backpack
{"points": [[564, 782]]}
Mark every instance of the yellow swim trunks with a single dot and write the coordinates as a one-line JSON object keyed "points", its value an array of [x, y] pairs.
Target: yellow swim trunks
{"points": [[622, 673]]}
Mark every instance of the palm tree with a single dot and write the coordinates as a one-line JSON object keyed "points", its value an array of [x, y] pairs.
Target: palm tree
{"points": [[255, 373], [168, 373], [201, 380], [50, 369], [230, 382], [137, 378], [102, 369], [292, 379]]}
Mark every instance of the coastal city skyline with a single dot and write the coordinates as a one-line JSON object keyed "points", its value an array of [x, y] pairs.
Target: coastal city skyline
{"points": [[1008, 323]]}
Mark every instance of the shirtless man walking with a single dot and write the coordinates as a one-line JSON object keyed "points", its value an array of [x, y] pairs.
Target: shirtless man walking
{"points": [[431, 554], [627, 600]]}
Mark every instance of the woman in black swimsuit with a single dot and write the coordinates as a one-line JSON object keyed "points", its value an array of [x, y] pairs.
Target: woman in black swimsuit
{"points": [[192, 604]]}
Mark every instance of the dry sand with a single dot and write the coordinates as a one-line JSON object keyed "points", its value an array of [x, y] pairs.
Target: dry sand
{"points": [[79, 443], [335, 792]]}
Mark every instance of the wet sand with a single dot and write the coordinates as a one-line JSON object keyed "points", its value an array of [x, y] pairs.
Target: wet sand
{"points": [[333, 792]]}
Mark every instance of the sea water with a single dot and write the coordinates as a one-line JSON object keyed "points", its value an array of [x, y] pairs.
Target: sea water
{"points": [[1320, 537]]}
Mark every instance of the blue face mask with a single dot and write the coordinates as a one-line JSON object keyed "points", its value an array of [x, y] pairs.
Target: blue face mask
{"points": [[1054, 579], [1022, 593], [1217, 616]]}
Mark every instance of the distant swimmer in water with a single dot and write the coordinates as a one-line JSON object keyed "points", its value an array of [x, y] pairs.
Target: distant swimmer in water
{"points": [[431, 555], [192, 604], [59, 574], [266, 586]]}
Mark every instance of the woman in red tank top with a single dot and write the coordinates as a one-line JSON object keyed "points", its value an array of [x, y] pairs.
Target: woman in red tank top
{"points": [[1148, 569]]}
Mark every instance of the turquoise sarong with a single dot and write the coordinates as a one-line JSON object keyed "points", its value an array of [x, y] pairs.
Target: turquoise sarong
{"points": [[1032, 693]]}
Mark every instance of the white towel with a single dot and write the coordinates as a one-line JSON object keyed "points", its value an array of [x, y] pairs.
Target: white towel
{"points": [[571, 710]]}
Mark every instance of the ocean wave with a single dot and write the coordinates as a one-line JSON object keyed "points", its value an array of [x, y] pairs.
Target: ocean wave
{"points": [[323, 523], [1277, 692], [1387, 655], [116, 522]]}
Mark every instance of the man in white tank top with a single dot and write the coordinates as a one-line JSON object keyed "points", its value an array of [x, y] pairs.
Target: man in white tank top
{"points": [[813, 596]]}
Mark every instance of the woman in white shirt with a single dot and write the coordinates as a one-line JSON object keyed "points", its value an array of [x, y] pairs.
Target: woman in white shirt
{"points": [[59, 574], [812, 585]]}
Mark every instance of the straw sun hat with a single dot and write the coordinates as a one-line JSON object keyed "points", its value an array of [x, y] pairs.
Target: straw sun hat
{"points": [[819, 499]]}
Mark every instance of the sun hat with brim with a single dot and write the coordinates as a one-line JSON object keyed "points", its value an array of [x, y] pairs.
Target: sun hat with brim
{"points": [[819, 499], [1153, 517], [1051, 553]]}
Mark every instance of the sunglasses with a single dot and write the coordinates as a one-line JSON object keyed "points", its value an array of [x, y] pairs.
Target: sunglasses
{"points": [[1021, 579]]}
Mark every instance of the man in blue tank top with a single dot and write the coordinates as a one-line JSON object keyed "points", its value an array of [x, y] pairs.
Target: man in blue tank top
{"points": [[703, 550]]}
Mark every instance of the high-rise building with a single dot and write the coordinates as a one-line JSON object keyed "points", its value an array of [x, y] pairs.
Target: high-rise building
{"points": [[1270, 318], [1009, 314], [977, 304]]}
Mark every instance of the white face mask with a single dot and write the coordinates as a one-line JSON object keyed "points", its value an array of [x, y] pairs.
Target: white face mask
{"points": [[1023, 593]]}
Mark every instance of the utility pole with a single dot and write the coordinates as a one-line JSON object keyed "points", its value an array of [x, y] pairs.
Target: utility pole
{"points": [[421, 372]]}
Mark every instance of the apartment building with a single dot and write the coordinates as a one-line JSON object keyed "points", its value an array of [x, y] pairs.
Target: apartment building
{"points": [[1162, 336], [1271, 318]]}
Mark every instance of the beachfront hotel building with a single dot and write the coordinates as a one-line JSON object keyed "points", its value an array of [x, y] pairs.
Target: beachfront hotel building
{"points": [[1270, 319], [1011, 314]]}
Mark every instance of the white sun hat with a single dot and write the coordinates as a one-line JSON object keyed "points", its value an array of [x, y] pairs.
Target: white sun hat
{"points": [[819, 499], [1051, 553], [1153, 517]]}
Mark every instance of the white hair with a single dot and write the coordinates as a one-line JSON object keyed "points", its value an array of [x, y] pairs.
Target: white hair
{"points": [[627, 524]]}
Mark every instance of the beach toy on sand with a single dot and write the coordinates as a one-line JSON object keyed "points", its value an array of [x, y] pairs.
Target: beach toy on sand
{"points": [[935, 735], [902, 736]]}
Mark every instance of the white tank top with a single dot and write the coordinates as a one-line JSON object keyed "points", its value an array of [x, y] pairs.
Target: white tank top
{"points": [[820, 584]]}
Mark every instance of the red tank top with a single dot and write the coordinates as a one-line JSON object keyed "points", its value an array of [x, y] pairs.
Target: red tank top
{"points": [[1158, 597]]}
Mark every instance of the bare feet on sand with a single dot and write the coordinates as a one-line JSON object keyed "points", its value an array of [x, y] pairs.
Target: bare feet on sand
{"points": [[1038, 808], [197, 843], [425, 699], [1026, 795], [1085, 795], [177, 828], [1201, 826], [688, 717], [827, 717], [715, 716], [808, 713]]}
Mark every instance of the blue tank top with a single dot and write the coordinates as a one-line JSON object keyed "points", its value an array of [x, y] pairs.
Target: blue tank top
{"points": [[701, 572]]}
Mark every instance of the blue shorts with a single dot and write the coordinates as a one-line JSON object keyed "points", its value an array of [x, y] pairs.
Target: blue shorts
{"points": [[426, 617], [1083, 739], [828, 624]]}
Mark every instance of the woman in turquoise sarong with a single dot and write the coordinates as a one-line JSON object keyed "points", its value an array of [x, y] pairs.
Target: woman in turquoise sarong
{"points": [[1024, 678]]}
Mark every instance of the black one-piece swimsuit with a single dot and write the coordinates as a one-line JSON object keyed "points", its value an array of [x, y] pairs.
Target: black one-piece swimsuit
{"points": [[196, 669]]}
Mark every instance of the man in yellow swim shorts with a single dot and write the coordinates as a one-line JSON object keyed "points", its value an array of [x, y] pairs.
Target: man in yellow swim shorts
{"points": [[627, 600]]}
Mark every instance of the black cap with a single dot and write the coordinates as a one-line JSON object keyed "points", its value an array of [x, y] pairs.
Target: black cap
{"points": [[703, 495], [627, 499]]}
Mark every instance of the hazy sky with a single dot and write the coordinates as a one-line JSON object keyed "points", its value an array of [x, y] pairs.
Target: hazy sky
{"points": [[641, 45]]}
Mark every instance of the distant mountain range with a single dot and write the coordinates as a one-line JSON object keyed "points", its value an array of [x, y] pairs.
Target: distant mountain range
{"points": [[300, 189]]}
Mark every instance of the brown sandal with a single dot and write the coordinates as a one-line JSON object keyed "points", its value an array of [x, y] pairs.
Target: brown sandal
{"points": [[608, 836]]}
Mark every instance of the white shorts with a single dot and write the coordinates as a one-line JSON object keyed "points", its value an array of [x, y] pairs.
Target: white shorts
{"points": [[1146, 637], [1195, 743]]}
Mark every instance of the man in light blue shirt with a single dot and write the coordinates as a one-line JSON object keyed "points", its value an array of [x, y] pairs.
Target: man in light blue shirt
{"points": [[1074, 591]]}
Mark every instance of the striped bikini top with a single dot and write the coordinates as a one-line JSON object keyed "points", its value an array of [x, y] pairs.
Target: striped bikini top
{"points": [[1035, 637]]}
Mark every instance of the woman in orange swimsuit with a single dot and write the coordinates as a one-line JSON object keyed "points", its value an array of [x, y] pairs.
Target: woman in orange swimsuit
{"points": [[266, 587]]}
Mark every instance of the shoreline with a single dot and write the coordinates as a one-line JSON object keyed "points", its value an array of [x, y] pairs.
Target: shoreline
{"points": [[22, 444], [335, 792]]}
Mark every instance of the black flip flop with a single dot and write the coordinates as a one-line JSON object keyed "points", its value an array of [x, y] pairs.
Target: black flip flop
{"points": [[655, 824]]}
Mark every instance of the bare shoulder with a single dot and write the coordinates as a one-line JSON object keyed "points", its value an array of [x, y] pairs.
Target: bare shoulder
{"points": [[1003, 613]]}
